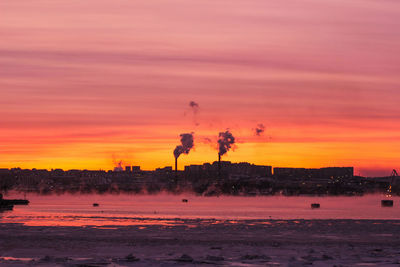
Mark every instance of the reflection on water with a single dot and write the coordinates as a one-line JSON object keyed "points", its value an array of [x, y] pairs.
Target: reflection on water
{"points": [[16, 259], [125, 209]]}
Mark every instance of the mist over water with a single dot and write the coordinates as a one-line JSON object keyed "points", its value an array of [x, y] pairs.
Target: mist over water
{"points": [[127, 209]]}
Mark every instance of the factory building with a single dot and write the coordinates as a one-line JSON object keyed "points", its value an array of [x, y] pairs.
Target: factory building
{"points": [[333, 173], [242, 168]]}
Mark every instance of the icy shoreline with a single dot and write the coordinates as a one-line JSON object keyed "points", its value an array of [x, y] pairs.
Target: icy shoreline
{"points": [[198, 242]]}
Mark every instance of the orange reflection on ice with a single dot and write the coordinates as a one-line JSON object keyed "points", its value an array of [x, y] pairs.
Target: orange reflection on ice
{"points": [[168, 210]]}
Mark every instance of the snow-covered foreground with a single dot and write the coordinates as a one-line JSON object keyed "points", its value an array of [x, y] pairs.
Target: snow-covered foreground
{"points": [[204, 242]]}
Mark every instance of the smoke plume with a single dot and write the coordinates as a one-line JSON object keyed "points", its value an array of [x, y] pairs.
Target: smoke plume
{"points": [[207, 140], [187, 144], [194, 106], [225, 142], [259, 129], [195, 109], [118, 166]]}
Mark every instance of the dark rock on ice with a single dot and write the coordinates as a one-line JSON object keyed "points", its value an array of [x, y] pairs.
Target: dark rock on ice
{"points": [[91, 264], [309, 258], [255, 257], [214, 258], [185, 258], [327, 257], [276, 244], [47, 258], [131, 258]]}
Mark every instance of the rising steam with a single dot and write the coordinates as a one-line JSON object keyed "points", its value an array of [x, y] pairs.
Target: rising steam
{"points": [[195, 109], [187, 144], [118, 166], [259, 129], [225, 142], [194, 106]]}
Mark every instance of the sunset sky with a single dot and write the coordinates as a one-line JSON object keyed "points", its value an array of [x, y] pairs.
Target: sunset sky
{"points": [[84, 84]]}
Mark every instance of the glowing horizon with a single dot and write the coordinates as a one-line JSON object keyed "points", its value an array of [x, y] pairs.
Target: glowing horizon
{"points": [[85, 83]]}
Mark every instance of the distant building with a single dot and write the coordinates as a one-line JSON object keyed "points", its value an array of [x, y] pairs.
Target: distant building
{"points": [[333, 173], [118, 169], [245, 168], [128, 169], [228, 167], [135, 168], [5, 171], [194, 168], [292, 172], [337, 172], [165, 170]]}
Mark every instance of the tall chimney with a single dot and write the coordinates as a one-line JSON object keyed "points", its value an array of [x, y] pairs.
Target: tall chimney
{"points": [[176, 167], [219, 166]]}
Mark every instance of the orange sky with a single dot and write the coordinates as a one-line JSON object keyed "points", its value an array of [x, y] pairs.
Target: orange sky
{"points": [[85, 83]]}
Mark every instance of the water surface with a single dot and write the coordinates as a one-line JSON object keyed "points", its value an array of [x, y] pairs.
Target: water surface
{"points": [[126, 209]]}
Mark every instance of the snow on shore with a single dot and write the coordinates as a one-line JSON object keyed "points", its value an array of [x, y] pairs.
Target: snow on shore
{"points": [[205, 242]]}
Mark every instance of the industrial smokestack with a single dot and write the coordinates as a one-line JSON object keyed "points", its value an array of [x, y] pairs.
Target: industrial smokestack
{"points": [[187, 143], [219, 166], [225, 142], [176, 166]]}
